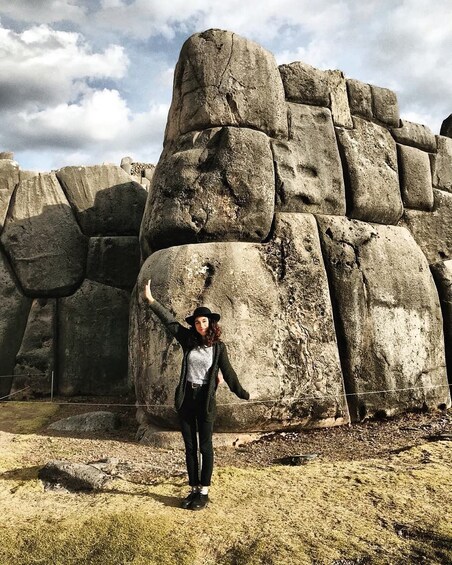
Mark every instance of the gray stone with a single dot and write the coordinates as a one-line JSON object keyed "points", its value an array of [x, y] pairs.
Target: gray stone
{"points": [[360, 98], [35, 359], [149, 173], [222, 79], [99, 421], [72, 476], [388, 318], [371, 174], [14, 308], [308, 85], [9, 155], [432, 231], [41, 235], [92, 345], [277, 322], [415, 135], [114, 261], [442, 273], [442, 177], [218, 184], [385, 106], [27, 175], [446, 127], [9, 178], [415, 178], [105, 199], [308, 166]]}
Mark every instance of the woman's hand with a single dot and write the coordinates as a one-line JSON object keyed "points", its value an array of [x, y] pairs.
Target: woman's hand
{"points": [[148, 293], [220, 379]]}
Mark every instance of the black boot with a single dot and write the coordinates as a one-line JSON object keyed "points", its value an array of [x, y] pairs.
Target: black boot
{"points": [[200, 501], [186, 502]]}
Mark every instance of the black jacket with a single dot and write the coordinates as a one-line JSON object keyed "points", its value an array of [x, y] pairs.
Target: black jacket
{"points": [[220, 361]]}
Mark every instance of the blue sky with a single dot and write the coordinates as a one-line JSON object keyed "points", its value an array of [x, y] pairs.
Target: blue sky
{"points": [[88, 82]]}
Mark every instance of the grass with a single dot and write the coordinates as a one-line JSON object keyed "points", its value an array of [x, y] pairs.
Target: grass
{"points": [[25, 417]]}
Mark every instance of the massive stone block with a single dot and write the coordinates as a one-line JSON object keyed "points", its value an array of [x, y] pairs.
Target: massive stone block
{"points": [[415, 135], [105, 199], [217, 184], [415, 178], [446, 127], [114, 261], [442, 177], [388, 318], [277, 322], [92, 345], [360, 98], [308, 167], [432, 231], [385, 106], [14, 308], [222, 79], [35, 360], [442, 273], [308, 85], [371, 174], [41, 235], [9, 178]]}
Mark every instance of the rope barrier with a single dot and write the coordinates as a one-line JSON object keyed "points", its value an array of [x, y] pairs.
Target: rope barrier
{"points": [[13, 393], [23, 375]]}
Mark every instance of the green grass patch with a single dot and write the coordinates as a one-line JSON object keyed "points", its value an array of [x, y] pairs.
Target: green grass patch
{"points": [[25, 417]]}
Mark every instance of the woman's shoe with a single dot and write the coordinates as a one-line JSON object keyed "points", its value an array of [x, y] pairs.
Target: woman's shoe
{"points": [[186, 502], [200, 501]]}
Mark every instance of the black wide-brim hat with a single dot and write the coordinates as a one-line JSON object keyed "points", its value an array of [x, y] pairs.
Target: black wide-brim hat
{"points": [[202, 311]]}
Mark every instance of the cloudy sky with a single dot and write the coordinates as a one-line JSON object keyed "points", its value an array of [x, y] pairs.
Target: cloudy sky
{"points": [[90, 81]]}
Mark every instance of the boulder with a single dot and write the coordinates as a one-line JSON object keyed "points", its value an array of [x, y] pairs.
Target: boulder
{"points": [[41, 235], [99, 421], [222, 79], [360, 98], [14, 308], [8, 155], [308, 166], [72, 476], [442, 273], [415, 178], [446, 127], [9, 178], [442, 176], [415, 135], [308, 85], [371, 176], [385, 106], [277, 322], [35, 359], [114, 261], [105, 199], [217, 185], [388, 318], [432, 231], [27, 175], [92, 345]]}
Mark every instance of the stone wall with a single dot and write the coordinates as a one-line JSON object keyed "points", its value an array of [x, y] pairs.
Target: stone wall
{"points": [[300, 206]]}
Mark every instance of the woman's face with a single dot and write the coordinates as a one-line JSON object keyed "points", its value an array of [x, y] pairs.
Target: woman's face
{"points": [[202, 325]]}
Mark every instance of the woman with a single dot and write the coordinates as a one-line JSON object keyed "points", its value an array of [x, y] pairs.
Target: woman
{"points": [[204, 356]]}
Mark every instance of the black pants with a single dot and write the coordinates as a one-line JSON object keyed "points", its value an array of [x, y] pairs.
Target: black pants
{"points": [[192, 420]]}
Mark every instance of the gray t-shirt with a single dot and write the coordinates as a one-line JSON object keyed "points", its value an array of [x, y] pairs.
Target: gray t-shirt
{"points": [[199, 362]]}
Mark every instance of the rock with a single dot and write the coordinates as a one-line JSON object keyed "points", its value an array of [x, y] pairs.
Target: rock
{"points": [[126, 164], [222, 79], [100, 421], [385, 106], [9, 178], [35, 359], [308, 167], [415, 135], [217, 185], [114, 261], [275, 307], [8, 155], [105, 200], [162, 439], [442, 273], [92, 348], [308, 85], [14, 308], [149, 173], [388, 318], [72, 476], [442, 177], [432, 231], [415, 178], [360, 98], [446, 127], [41, 235], [27, 175], [370, 169]]}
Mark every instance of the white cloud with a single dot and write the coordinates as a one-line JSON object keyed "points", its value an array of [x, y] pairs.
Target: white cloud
{"points": [[42, 11]]}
